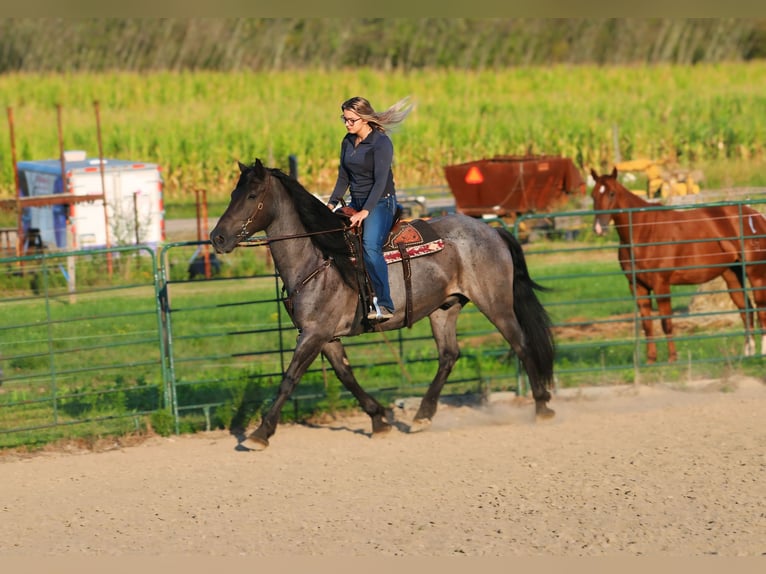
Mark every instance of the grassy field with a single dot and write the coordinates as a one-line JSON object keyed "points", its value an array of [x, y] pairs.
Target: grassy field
{"points": [[196, 126]]}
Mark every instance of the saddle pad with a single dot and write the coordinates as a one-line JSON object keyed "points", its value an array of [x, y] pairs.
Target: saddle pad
{"points": [[417, 236]]}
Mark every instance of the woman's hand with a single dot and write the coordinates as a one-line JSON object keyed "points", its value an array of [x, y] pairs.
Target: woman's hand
{"points": [[358, 217]]}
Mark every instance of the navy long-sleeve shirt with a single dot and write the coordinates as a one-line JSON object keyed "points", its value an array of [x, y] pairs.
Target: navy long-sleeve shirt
{"points": [[365, 169]]}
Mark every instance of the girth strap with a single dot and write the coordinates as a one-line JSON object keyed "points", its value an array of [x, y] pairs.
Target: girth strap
{"points": [[407, 273]]}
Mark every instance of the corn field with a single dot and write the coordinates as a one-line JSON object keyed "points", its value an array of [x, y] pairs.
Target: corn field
{"points": [[196, 125]]}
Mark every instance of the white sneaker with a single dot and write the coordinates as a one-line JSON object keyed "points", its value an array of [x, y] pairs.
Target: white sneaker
{"points": [[385, 314]]}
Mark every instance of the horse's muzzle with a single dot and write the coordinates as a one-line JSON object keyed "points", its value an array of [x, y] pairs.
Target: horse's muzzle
{"points": [[220, 243], [597, 227]]}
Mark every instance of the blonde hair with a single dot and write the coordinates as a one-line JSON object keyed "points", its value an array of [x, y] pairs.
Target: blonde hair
{"points": [[382, 121]]}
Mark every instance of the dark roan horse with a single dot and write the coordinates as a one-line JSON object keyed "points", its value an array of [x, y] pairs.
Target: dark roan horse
{"points": [[661, 247], [312, 255]]}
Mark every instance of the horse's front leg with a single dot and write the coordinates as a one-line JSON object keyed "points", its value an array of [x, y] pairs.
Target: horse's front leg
{"points": [[306, 351], [336, 354], [644, 303], [662, 292]]}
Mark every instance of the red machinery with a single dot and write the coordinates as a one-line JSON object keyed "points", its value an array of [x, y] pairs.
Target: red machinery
{"points": [[508, 186]]}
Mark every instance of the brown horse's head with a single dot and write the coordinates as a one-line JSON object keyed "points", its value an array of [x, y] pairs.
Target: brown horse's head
{"points": [[248, 210], [605, 193]]}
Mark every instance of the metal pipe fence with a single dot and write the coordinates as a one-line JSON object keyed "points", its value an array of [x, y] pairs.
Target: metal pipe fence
{"points": [[79, 346]]}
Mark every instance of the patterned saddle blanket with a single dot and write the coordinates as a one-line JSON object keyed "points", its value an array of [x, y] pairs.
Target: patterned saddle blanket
{"points": [[416, 238]]}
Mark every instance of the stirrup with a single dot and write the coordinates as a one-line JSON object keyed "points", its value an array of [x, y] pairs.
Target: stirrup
{"points": [[378, 313]]}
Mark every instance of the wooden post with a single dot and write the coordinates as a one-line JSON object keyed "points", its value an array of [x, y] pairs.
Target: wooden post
{"points": [[202, 223], [70, 262], [19, 225], [103, 189]]}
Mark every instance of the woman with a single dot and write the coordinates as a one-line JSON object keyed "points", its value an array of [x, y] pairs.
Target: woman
{"points": [[366, 157]]}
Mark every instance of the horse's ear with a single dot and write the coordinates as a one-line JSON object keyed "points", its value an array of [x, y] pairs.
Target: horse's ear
{"points": [[242, 166], [614, 172], [260, 171], [593, 173]]}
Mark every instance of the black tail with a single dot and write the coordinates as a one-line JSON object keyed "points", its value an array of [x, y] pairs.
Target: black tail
{"points": [[532, 316]]}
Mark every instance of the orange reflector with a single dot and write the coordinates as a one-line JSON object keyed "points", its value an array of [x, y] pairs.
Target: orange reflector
{"points": [[474, 175]]}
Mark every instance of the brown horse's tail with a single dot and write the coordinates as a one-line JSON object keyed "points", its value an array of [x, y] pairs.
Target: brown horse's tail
{"points": [[531, 315]]}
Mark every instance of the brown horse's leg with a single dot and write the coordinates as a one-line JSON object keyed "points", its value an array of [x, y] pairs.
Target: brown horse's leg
{"points": [[759, 295], [758, 286], [665, 310], [735, 285], [306, 351], [444, 329], [757, 276], [336, 354], [644, 303]]}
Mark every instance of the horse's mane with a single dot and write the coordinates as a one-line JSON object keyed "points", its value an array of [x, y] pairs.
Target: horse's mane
{"points": [[316, 217]]}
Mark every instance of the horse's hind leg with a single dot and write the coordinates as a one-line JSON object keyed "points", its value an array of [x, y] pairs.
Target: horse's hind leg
{"points": [[336, 354], [759, 295], [758, 288], [735, 282], [537, 366], [444, 329], [513, 333]]}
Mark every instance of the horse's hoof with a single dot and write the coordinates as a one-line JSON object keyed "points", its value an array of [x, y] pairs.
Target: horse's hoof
{"points": [[255, 443], [544, 413], [419, 425], [380, 428]]}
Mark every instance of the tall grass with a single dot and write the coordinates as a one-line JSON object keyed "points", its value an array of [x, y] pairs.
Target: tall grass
{"points": [[196, 125]]}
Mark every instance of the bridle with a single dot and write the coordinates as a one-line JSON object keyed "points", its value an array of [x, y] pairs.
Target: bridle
{"points": [[242, 235], [243, 231]]}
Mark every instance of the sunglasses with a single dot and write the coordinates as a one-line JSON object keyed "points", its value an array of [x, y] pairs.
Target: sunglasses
{"points": [[349, 121]]}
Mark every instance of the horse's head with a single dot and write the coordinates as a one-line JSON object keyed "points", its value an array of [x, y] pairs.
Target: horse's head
{"points": [[605, 194], [248, 210]]}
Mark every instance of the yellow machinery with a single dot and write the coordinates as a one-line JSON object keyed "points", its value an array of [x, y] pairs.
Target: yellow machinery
{"points": [[661, 181]]}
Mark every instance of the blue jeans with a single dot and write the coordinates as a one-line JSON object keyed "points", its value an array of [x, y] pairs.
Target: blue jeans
{"points": [[375, 231]]}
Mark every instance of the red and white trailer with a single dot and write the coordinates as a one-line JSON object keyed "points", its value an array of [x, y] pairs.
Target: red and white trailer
{"points": [[127, 201]]}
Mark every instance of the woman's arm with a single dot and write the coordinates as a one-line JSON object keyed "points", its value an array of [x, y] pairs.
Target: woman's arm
{"points": [[341, 184], [383, 158]]}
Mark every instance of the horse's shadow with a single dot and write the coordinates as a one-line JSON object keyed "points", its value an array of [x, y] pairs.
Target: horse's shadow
{"points": [[401, 408], [241, 433]]}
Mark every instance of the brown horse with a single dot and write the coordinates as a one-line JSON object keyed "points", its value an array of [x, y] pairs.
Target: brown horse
{"points": [[478, 264], [661, 247]]}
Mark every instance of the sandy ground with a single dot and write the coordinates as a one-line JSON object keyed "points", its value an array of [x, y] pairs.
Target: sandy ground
{"points": [[621, 471]]}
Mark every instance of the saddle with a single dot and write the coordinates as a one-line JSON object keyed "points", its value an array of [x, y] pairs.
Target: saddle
{"points": [[406, 240]]}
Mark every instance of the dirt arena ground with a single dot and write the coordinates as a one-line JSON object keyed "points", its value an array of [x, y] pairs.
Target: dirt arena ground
{"points": [[621, 471]]}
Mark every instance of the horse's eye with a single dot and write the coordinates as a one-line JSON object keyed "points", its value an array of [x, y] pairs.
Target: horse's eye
{"points": [[251, 196]]}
